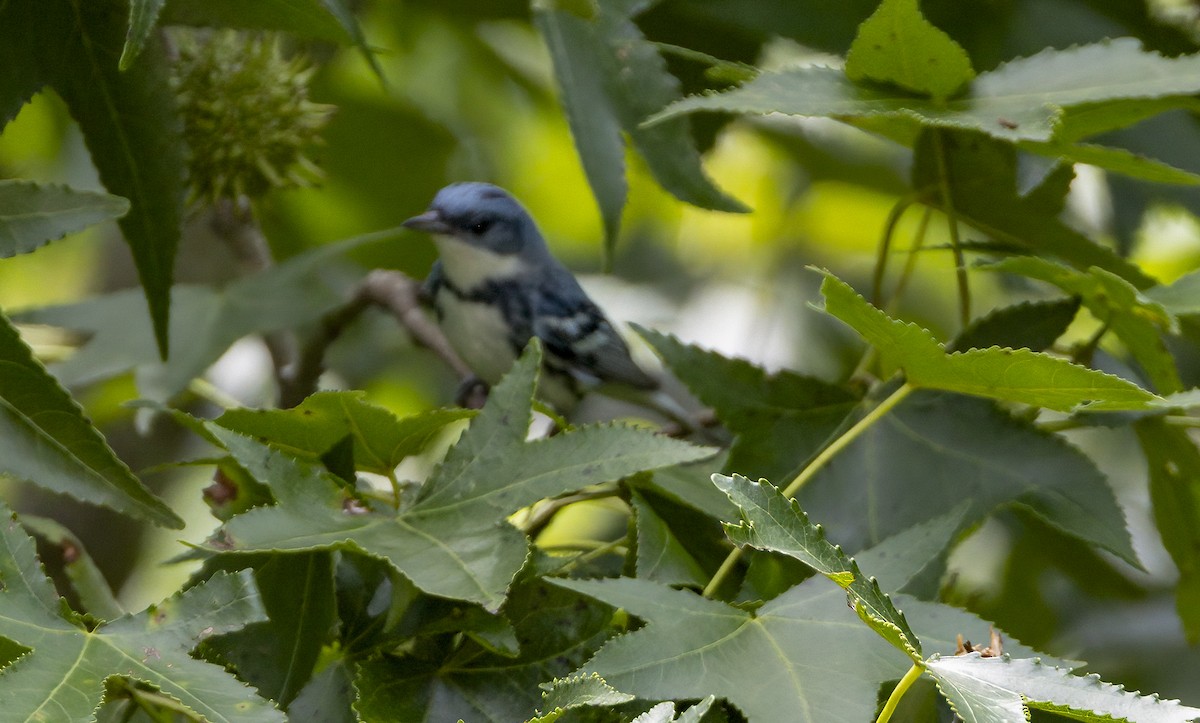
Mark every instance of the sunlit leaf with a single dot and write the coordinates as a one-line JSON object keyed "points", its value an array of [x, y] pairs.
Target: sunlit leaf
{"points": [[898, 45], [1022, 99], [1001, 690], [309, 430], [143, 16], [454, 540], [1015, 375], [1136, 319], [772, 522]]}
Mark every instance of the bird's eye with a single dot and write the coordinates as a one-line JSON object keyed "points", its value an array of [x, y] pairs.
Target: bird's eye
{"points": [[479, 228]]}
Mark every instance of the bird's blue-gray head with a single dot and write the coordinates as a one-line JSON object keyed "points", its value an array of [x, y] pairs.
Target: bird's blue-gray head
{"points": [[482, 216]]}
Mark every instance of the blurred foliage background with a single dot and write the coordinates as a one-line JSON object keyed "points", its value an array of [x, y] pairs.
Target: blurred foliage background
{"points": [[468, 93]]}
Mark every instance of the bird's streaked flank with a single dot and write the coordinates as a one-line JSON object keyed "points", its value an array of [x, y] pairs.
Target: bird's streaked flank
{"points": [[496, 286]]}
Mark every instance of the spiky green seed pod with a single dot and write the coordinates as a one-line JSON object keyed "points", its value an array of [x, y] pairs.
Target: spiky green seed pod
{"points": [[246, 115]]}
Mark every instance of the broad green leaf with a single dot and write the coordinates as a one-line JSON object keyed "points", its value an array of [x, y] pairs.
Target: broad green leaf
{"points": [[898, 45], [86, 578], [205, 321], [32, 215], [580, 690], [665, 713], [277, 656], [327, 698], [1181, 296], [1022, 99], [310, 429], [1174, 465], [772, 664], [576, 52], [1001, 690], [1013, 375], [772, 522], [305, 18], [935, 450], [1136, 319], [1116, 160], [904, 557], [143, 16], [63, 676], [611, 78], [975, 179], [45, 439], [128, 121], [780, 419], [453, 541], [1092, 119], [559, 630], [660, 554], [1033, 325]]}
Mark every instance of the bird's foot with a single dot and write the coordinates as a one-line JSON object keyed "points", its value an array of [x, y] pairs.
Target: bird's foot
{"points": [[472, 392]]}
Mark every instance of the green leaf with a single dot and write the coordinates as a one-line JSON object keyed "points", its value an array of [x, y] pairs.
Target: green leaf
{"points": [[305, 18], [45, 439], [277, 656], [611, 78], [381, 441], [1033, 325], [772, 664], [86, 579], [205, 322], [1000, 690], [1006, 374], [454, 540], [559, 629], [1180, 297], [1116, 160], [327, 697], [898, 45], [1022, 99], [660, 554], [63, 676], [772, 522], [1136, 319], [128, 121], [576, 52], [935, 450], [143, 16], [32, 214], [580, 690], [1174, 465], [780, 419], [979, 177], [665, 713]]}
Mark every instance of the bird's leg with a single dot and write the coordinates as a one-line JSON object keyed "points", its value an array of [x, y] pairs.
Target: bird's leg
{"points": [[472, 392]]}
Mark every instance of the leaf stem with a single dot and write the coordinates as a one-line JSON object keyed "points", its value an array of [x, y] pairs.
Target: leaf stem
{"points": [[885, 245], [847, 438], [914, 673], [960, 266], [816, 465]]}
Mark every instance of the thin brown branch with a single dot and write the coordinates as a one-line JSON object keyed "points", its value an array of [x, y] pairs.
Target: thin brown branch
{"points": [[391, 291]]}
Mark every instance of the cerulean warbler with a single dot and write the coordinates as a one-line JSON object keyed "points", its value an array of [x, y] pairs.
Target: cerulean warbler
{"points": [[496, 285]]}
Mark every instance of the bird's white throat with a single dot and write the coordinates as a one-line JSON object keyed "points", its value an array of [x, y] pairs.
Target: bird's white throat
{"points": [[468, 266]]}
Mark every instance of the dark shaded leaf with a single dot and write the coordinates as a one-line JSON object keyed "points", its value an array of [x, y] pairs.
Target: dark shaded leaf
{"points": [[45, 439]]}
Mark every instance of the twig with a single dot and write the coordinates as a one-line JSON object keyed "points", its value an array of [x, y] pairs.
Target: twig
{"points": [[234, 222], [391, 291]]}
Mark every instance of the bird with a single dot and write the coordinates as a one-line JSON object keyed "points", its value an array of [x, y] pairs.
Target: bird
{"points": [[496, 285]]}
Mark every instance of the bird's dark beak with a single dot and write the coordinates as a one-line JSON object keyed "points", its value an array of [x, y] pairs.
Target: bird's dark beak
{"points": [[429, 222]]}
